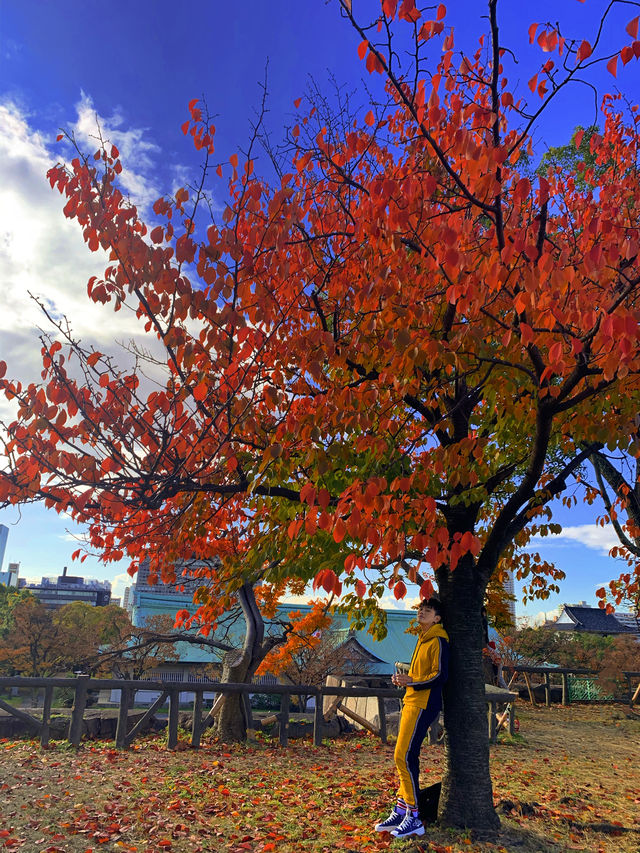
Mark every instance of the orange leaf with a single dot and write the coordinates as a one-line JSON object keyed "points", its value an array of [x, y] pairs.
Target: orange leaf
{"points": [[339, 530], [426, 590], [399, 590], [442, 11], [200, 391], [370, 118], [234, 160]]}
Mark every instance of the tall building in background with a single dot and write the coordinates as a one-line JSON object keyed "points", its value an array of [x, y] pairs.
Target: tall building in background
{"points": [[509, 588], [4, 535], [10, 577]]}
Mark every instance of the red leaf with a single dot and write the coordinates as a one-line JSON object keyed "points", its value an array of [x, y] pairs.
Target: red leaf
{"points": [[157, 234], [185, 127], [370, 118], [426, 590], [339, 530], [200, 391], [632, 28], [612, 65], [399, 590], [442, 11], [360, 589], [532, 33], [584, 51], [363, 47]]}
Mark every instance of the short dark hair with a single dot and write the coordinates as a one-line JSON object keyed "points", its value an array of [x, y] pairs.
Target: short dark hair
{"points": [[433, 604]]}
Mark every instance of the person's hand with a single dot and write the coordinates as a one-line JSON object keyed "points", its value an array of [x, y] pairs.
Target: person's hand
{"points": [[401, 679]]}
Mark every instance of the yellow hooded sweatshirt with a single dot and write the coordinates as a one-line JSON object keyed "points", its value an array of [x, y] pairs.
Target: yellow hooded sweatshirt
{"points": [[429, 668]]}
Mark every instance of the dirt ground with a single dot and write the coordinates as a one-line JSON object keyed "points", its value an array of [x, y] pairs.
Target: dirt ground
{"points": [[569, 780]]}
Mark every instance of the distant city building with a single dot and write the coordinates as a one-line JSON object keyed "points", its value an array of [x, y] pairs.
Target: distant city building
{"points": [[11, 576], [65, 589], [4, 535], [127, 600], [173, 596]]}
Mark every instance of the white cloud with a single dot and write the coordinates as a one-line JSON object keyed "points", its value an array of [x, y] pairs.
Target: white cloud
{"points": [[539, 618], [43, 253], [593, 536], [119, 583], [137, 151]]}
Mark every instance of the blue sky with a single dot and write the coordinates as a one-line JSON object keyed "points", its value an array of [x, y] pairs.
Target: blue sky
{"points": [[135, 66]]}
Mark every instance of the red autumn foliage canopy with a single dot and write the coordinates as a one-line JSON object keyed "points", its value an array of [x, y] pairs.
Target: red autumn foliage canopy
{"points": [[393, 358]]}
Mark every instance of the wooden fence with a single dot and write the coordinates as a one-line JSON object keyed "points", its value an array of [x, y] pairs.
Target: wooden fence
{"points": [[548, 673], [632, 676], [171, 692]]}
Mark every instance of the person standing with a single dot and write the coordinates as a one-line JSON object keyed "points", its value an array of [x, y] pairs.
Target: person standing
{"points": [[422, 704]]}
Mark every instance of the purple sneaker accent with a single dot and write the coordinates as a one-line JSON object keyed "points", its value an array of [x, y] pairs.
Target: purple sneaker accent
{"points": [[411, 825]]}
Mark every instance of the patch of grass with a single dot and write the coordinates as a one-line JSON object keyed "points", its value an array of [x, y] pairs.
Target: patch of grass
{"points": [[569, 781]]}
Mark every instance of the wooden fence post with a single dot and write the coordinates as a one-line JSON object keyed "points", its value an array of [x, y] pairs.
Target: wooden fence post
{"points": [[382, 719], [284, 719], [196, 722], [122, 741], [172, 728], [565, 689], [318, 719], [46, 717], [77, 712], [547, 689], [493, 731], [532, 698]]}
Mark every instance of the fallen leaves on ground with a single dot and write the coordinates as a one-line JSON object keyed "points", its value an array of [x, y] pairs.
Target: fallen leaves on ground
{"points": [[569, 781]]}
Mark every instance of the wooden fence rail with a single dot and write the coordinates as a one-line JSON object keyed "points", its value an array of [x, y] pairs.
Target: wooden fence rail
{"points": [[82, 684]]}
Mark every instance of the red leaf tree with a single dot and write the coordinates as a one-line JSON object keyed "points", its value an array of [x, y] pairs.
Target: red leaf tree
{"points": [[383, 367]]}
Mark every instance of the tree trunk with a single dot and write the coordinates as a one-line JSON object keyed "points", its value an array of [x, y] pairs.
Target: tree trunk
{"points": [[231, 726], [239, 667], [467, 794]]}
